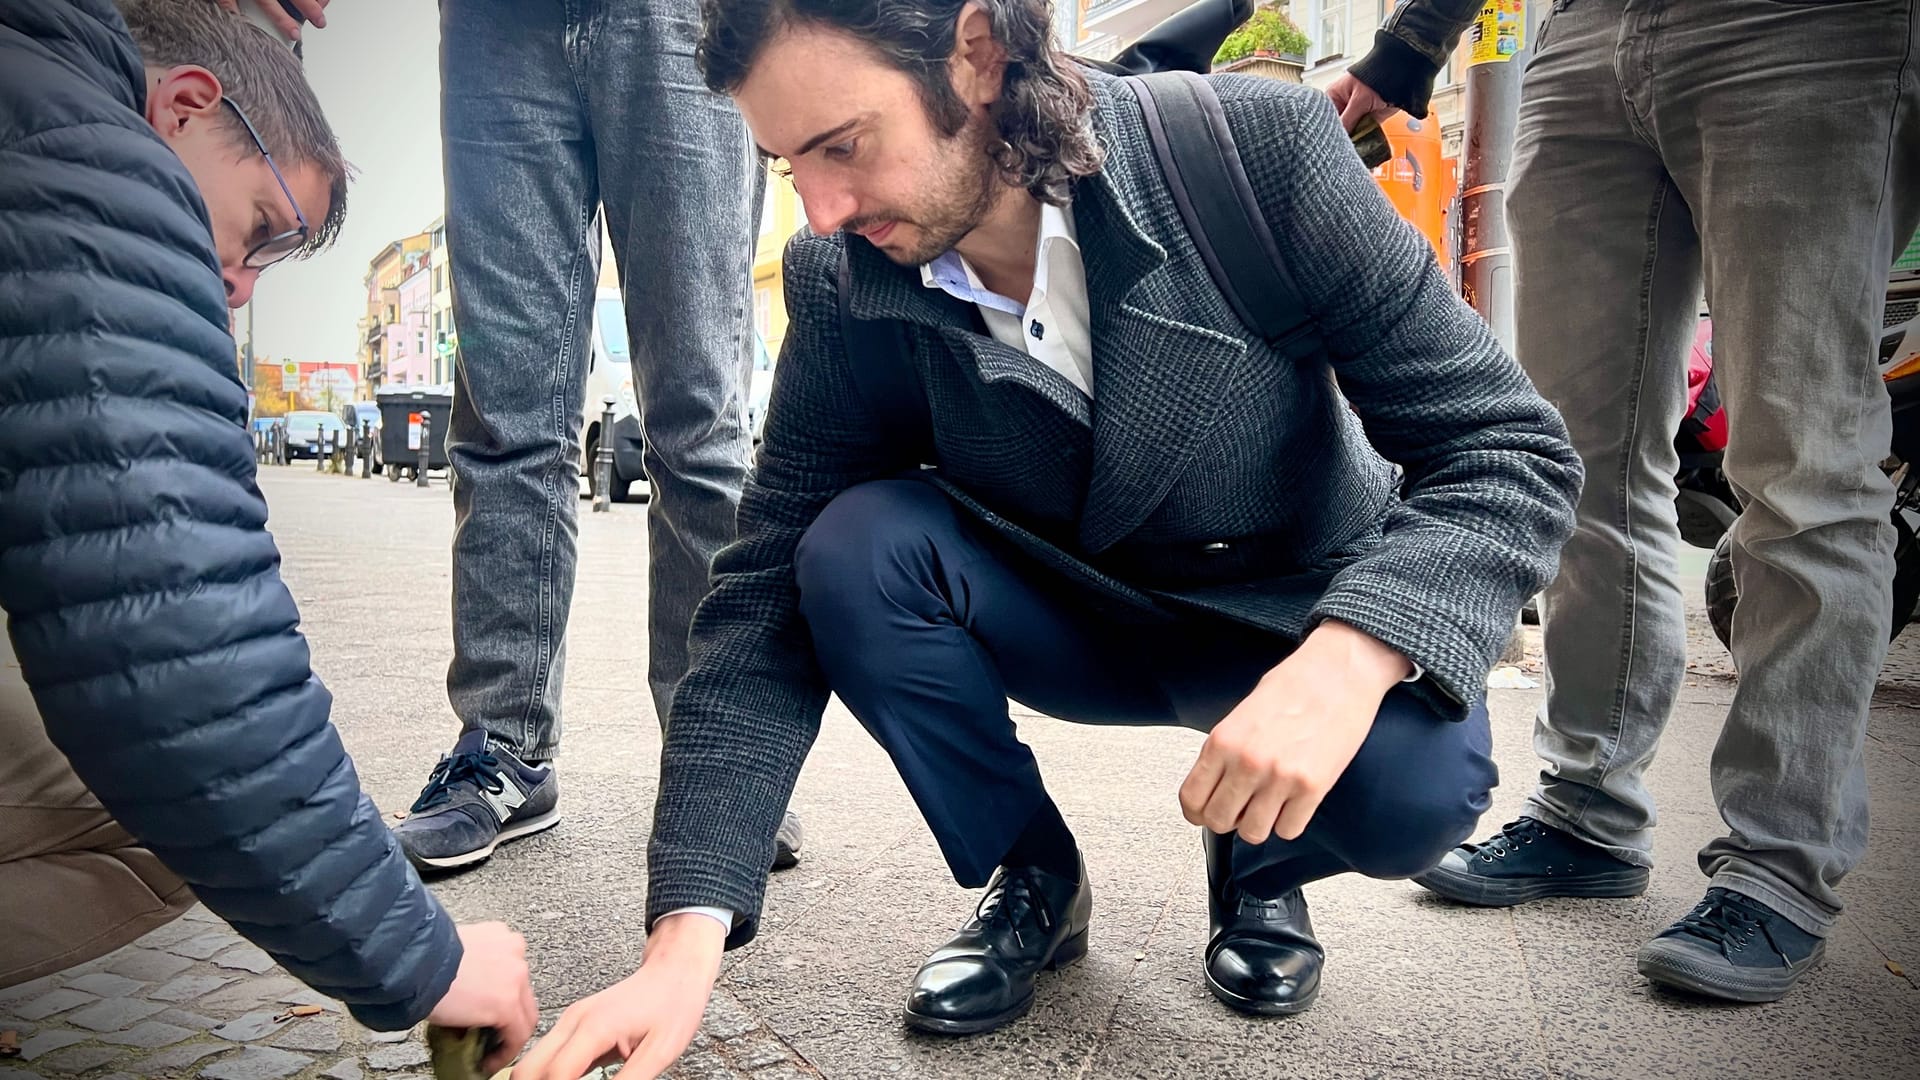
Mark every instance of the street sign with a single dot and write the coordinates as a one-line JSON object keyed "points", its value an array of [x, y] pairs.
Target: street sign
{"points": [[290, 376]]}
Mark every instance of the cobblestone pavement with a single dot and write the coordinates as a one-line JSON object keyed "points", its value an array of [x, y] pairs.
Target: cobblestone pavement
{"points": [[194, 999], [1414, 988]]}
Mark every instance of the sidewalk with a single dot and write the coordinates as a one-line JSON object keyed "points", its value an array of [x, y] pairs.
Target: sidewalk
{"points": [[1414, 987]]}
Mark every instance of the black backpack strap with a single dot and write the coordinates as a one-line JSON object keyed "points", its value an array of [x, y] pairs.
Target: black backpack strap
{"points": [[1190, 136], [882, 364]]}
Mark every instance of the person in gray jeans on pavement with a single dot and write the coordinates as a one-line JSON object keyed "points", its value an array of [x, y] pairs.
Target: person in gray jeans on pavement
{"points": [[553, 112], [1770, 151]]}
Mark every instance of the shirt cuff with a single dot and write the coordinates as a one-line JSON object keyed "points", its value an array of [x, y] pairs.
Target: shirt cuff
{"points": [[719, 915]]}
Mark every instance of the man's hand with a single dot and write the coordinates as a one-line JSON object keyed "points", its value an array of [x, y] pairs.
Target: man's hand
{"points": [[646, 1020], [1357, 101], [314, 10], [1265, 768], [492, 989]]}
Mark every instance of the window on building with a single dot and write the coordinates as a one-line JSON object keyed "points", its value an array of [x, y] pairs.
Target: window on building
{"points": [[1332, 37]]}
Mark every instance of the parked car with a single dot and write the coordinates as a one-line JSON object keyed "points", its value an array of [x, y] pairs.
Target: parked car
{"points": [[308, 432], [610, 375], [367, 412]]}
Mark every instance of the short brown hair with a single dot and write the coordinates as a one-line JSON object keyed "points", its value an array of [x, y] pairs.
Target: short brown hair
{"points": [[262, 76]]}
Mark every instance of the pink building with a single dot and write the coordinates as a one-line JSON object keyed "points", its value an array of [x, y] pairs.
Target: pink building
{"points": [[409, 330]]}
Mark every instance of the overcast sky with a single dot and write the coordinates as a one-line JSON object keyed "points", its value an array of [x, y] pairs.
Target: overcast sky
{"points": [[376, 69]]}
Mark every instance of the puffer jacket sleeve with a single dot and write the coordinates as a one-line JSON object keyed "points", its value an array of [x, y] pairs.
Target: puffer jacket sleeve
{"points": [[142, 587]]}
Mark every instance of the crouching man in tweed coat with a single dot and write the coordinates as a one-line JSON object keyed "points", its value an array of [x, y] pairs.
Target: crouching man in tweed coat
{"points": [[1140, 513]]}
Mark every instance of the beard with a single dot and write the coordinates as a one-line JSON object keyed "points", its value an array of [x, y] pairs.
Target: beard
{"points": [[961, 184]]}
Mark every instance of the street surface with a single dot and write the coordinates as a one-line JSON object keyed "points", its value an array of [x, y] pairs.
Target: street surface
{"points": [[1414, 987]]}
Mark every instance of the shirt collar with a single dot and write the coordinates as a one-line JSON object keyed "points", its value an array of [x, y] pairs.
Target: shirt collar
{"points": [[951, 274]]}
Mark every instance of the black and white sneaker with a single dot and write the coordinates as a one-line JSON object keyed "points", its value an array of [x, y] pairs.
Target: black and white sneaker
{"points": [[1731, 947], [786, 842], [479, 797], [1528, 860]]}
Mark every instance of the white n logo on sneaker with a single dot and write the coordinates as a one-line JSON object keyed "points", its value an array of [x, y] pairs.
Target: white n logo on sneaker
{"points": [[505, 801]]}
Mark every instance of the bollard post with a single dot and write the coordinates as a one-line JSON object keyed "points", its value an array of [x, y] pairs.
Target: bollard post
{"points": [[320, 455], [366, 449], [426, 447], [603, 461]]}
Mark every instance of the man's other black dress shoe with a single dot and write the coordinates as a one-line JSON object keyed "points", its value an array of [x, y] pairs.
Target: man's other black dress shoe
{"points": [[1262, 957], [1028, 921]]}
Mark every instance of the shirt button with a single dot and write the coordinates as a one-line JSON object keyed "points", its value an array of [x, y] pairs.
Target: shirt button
{"points": [[1215, 548], [1038, 331]]}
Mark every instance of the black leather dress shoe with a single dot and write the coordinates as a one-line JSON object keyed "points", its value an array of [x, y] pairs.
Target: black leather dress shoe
{"points": [[1262, 957], [1028, 921]]}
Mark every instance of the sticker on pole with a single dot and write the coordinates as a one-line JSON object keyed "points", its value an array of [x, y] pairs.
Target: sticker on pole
{"points": [[1498, 33], [413, 431]]}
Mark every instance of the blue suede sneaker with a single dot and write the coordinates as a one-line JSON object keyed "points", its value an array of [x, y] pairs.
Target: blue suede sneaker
{"points": [[479, 797]]}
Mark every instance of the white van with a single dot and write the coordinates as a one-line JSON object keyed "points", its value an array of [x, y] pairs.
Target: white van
{"points": [[610, 375]]}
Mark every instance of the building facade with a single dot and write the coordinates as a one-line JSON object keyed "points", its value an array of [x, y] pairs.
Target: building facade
{"points": [[397, 333]]}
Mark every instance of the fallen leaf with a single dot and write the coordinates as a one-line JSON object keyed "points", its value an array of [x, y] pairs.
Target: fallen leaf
{"points": [[9, 1044], [1892, 966], [398, 815]]}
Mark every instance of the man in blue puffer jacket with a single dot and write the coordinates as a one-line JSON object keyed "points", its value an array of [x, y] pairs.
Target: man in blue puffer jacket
{"points": [[141, 586]]}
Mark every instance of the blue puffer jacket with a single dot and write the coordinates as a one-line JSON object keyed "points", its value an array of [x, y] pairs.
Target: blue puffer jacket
{"points": [[141, 587]]}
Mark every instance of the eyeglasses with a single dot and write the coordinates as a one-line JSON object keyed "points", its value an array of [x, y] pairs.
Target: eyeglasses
{"points": [[280, 245]]}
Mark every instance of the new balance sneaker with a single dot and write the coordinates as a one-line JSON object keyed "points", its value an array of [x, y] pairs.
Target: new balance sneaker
{"points": [[786, 842], [1731, 947], [1528, 860], [478, 797]]}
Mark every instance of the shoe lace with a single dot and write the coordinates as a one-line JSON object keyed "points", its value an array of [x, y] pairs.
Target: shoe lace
{"points": [[1013, 905], [1512, 836], [479, 768], [1723, 921]]}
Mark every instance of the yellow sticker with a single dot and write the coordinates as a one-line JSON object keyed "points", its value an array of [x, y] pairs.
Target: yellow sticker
{"points": [[1498, 32]]}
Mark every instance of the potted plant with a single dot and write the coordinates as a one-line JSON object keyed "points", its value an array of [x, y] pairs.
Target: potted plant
{"points": [[1268, 35]]}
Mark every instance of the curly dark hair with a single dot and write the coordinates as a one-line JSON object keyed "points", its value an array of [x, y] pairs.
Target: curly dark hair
{"points": [[1044, 113]]}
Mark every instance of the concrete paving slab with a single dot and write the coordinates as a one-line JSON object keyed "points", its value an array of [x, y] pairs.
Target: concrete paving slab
{"points": [[1416, 987]]}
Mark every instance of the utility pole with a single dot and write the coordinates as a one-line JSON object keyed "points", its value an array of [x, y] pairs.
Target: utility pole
{"points": [[246, 366], [1498, 47]]}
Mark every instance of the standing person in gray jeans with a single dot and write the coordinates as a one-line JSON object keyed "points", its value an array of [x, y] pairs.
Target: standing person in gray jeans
{"points": [[1769, 150], [552, 112]]}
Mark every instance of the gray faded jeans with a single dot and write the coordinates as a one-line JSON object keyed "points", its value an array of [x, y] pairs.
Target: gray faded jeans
{"points": [[1768, 150], [553, 109]]}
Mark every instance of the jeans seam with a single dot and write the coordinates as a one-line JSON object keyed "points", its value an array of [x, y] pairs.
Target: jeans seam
{"points": [[550, 482], [1617, 712]]}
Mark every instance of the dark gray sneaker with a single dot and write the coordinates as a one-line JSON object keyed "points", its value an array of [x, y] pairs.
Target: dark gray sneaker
{"points": [[479, 797], [1731, 947], [1528, 860], [786, 842]]}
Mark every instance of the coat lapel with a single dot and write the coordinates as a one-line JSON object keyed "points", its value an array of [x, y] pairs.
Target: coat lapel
{"points": [[1158, 381]]}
